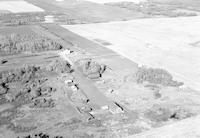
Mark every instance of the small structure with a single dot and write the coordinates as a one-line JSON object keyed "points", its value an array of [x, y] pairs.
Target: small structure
{"points": [[116, 110], [110, 90], [67, 51], [106, 107], [49, 19], [69, 82], [74, 88]]}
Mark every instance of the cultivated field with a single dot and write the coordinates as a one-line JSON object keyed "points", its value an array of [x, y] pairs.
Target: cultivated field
{"points": [[80, 11], [19, 7], [169, 43]]}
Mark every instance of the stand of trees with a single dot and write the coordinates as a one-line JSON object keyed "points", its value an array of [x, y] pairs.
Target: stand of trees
{"points": [[21, 19], [17, 43], [156, 76]]}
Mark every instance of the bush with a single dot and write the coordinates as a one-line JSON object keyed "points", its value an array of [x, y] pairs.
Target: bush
{"points": [[23, 74], [59, 66], [3, 90], [92, 69]]}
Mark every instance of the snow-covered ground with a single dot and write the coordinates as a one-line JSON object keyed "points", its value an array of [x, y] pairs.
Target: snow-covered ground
{"points": [[169, 43], [108, 1], [19, 6]]}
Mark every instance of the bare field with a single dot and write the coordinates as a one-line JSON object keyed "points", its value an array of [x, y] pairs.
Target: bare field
{"points": [[19, 7], [164, 43], [82, 10], [153, 9], [184, 129]]}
